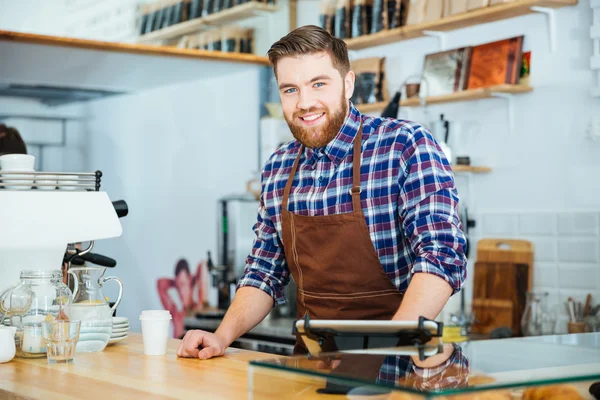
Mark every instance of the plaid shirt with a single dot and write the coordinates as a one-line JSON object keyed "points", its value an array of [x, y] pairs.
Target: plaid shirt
{"points": [[408, 198], [401, 371]]}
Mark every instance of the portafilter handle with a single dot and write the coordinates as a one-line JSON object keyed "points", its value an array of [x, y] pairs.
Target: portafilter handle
{"points": [[94, 258], [121, 208]]}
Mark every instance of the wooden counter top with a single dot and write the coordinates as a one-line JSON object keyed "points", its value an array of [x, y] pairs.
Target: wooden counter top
{"points": [[122, 371]]}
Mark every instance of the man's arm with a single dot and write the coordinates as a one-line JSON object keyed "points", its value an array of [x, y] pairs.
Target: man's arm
{"points": [[259, 289], [428, 208], [426, 295], [249, 307]]}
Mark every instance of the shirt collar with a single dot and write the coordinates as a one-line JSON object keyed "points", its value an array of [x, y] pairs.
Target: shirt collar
{"points": [[337, 149]]}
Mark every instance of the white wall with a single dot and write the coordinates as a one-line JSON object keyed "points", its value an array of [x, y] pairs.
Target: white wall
{"points": [[171, 153], [544, 184], [39, 16]]}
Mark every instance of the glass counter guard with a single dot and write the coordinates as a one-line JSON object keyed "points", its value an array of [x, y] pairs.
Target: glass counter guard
{"points": [[541, 367]]}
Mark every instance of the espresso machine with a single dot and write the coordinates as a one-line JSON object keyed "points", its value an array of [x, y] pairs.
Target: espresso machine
{"points": [[237, 215], [44, 214]]}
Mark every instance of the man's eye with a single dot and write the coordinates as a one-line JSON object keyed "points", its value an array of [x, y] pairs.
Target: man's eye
{"points": [[319, 84], [290, 90]]}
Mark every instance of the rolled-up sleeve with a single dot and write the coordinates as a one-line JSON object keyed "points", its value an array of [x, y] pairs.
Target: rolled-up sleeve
{"points": [[266, 268], [429, 213]]}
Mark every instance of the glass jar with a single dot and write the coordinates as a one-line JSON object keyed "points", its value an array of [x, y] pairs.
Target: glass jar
{"points": [[26, 305], [538, 318]]}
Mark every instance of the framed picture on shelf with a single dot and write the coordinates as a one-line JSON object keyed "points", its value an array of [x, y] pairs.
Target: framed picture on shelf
{"points": [[446, 72], [496, 63]]}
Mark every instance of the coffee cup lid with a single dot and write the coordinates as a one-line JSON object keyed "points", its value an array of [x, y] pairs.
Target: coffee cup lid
{"points": [[155, 314]]}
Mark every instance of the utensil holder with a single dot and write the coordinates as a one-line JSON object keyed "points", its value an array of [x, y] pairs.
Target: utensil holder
{"points": [[576, 327]]}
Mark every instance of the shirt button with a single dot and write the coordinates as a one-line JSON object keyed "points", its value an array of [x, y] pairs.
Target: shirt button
{"points": [[320, 179]]}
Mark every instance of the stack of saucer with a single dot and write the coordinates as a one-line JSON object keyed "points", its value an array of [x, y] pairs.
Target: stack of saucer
{"points": [[120, 329]]}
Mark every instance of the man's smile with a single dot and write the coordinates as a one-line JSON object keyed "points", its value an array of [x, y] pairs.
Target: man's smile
{"points": [[312, 118]]}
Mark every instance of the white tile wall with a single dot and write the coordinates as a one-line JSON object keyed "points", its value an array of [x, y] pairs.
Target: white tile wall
{"points": [[578, 276], [538, 224], [546, 276], [500, 224], [545, 249], [578, 224], [578, 250]]}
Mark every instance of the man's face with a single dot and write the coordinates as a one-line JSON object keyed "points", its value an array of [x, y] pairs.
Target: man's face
{"points": [[314, 97]]}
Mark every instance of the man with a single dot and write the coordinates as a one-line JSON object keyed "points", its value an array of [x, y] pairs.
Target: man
{"points": [[355, 208]]}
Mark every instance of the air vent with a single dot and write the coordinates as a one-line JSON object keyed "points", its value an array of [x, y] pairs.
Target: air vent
{"points": [[54, 95]]}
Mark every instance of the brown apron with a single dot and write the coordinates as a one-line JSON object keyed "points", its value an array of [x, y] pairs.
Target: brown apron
{"points": [[333, 261]]}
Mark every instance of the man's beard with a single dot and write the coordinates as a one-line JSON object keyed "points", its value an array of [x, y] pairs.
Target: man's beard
{"points": [[319, 136]]}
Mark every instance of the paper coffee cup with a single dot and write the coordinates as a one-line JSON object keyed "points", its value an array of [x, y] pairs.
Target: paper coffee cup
{"points": [[155, 331]]}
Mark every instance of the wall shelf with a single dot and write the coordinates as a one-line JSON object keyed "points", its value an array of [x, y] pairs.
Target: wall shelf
{"points": [[30, 59], [228, 16], [479, 16], [470, 169], [465, 95]]}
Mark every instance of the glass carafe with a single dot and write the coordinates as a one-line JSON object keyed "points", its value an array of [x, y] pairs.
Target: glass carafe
{"points": [[90, 307], [26, 305], [538, 318]]}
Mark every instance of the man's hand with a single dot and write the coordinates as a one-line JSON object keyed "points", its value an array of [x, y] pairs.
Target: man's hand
{"points": [[202, 345], [250, 306]]}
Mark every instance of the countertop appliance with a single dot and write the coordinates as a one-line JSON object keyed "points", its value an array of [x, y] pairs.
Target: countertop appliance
{"points": [[237, 217], [39, 225]]}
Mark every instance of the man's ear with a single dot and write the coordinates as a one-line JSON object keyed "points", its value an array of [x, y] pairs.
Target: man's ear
{"points": [[349, 84]]}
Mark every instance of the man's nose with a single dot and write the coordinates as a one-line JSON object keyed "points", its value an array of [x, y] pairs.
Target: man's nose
{"points": [[306, 100]]}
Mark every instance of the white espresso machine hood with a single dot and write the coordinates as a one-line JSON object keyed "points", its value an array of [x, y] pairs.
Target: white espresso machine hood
{"points": [[36, 226]]}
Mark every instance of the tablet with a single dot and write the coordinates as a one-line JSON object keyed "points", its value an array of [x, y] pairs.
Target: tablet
{"points": [[367, 327], [323, 335]]}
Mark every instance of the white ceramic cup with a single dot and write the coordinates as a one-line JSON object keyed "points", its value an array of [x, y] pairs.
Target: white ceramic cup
{"points": [[49, 180], [17, 162], [17, 178], [155, 331]]}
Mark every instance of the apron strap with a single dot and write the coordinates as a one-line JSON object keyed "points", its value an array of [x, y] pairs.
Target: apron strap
{"points": [[288, 185], [354, 191], [356, 156]]}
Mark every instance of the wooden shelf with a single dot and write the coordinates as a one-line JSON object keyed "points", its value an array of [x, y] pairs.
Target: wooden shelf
{"points": [[469, 168], [465, 95], [468, 95], [373, 107], [68, 62], [231, 15], [479, 16]]}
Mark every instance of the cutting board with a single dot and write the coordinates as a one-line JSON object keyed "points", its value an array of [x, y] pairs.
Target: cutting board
{"points": [[503, 275], [492, 313]]}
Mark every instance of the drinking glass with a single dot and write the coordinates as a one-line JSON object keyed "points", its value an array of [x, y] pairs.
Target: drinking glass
{"points": [[61, 340]]}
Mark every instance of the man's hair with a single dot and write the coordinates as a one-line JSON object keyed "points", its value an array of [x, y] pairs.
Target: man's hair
{"points": [[311, 39], [11, 141]]}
